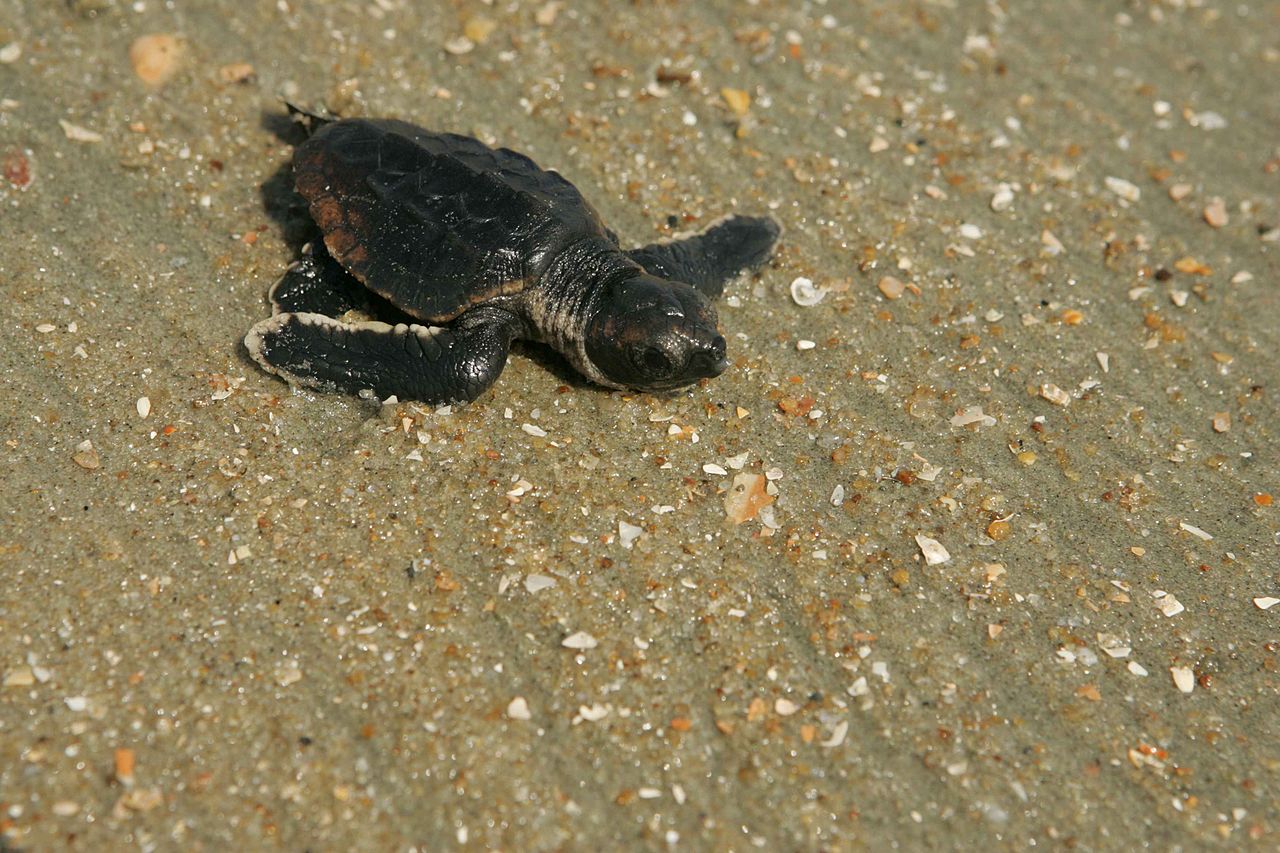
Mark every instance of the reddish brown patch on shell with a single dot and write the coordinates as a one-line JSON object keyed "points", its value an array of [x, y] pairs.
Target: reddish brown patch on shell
{"points": [[327, 213], [355, 259], [310, 183], [310, 176], [340, 241]]}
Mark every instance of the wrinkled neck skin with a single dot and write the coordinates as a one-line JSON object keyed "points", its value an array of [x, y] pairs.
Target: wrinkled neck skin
{"points": [[570, 296]]}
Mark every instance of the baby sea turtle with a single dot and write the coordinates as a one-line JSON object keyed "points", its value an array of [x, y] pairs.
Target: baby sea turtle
{"points": [[476, 247]]}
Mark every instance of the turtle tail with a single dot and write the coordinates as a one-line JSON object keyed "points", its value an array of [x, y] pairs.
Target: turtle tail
{"points": [[311, 122]]}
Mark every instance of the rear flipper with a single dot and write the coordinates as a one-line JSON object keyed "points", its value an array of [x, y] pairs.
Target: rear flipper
{"points": [[317, 284], [713, 257], [411, 362]]}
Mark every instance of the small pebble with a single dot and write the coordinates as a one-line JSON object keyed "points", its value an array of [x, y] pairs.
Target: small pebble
{"points": [[17, 169], [934, 553], [785, 707], [479, 28], [803, 345], [580, 640], [518, 709], [76, 133], [972, 415], [143, 800], [1191, 266], [156, 57], [86, 457], [838, 733], [1054, 394], [628, 533], [891, 287], [1178, 192], [1221, 421], [288, 674], [1002, 199], [738, 100], [1169, 605], [1183, 678], [546, 15], [24, 676], [1215, 213], [459, 45], [10, 53], [144, 407], [125, 761], [1265, 602], [537, 583], [236, 72], [1207, 120], [969, 231], [594, 712], [804, 294], [746, 497], [1127, 190], [1195, 531]]}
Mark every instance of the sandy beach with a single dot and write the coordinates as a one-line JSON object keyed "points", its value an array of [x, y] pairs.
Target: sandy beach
{"points": [[975, 545]]}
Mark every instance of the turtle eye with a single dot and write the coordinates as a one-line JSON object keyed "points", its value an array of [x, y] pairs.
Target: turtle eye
{"points": [[655, 361]]}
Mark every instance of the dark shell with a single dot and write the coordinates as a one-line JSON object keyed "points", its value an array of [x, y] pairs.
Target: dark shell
{"points": [[435, 222]]}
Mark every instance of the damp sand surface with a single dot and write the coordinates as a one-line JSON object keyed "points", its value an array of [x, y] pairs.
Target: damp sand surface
{"points": [[975, 545]]}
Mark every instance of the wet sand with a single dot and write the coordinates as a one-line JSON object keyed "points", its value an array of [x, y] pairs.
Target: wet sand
{"points": [[1010, 583]]}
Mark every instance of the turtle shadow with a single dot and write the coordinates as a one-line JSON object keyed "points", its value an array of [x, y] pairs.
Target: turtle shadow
{"points": [[280, 201], [287, 209], [282, 126], [552, 362]]}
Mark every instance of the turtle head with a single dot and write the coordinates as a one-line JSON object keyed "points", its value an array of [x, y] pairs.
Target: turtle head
{"points": [[655, 335]]}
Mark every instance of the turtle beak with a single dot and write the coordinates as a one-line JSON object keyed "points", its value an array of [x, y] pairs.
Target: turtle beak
{"points": [[711, 362]]}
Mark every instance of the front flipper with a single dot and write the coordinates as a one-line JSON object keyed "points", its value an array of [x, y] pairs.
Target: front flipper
{"points": [[411, 362], [317, 284], [713, 257]]}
